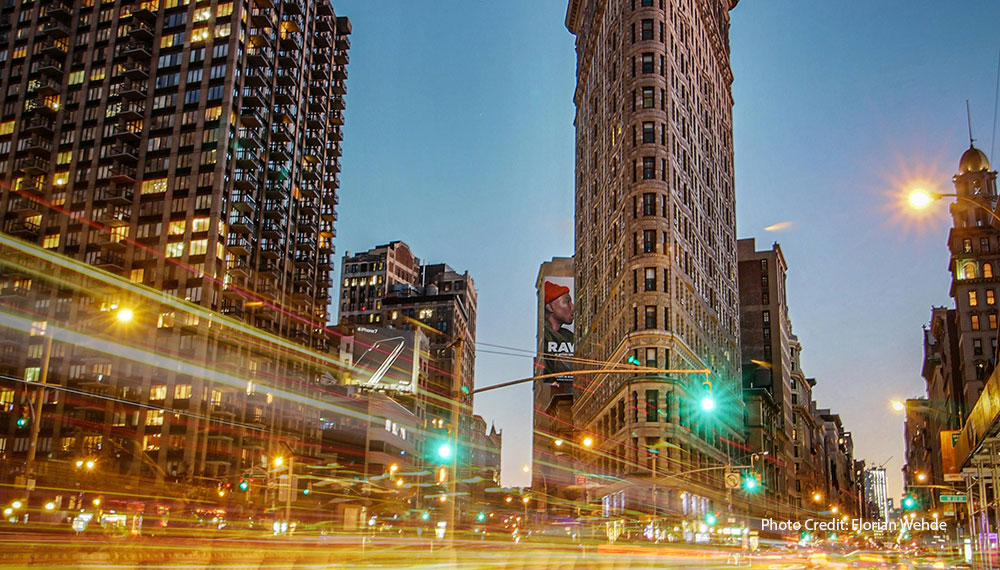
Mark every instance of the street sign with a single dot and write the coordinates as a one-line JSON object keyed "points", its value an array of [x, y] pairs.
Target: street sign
{"points": [[953, 477], [953, 498], [732, 480]]}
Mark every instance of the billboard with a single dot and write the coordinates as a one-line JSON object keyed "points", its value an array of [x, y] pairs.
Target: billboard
{"points": [[384, 359], [557, 347]]}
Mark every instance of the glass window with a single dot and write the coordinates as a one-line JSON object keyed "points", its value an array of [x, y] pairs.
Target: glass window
{"points": [[648, 204], [650, 280], [990, 297], [648, 168], [650, 317], [652, 396], [647, 30], [987, 270], [975, 322], [648, 241], [648, 132], [973, 300], [647, 63], [647, 98]]}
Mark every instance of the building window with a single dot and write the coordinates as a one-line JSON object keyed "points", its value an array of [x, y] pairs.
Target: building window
{"points": [[973, 300], [975, 322], [984, 244], [648, 132], [647, 98], [987, 271], [970, 270], [648, 204], [650, 280], [967, 245], [648, 168], [648, 241], [990, 297], [767, 317], [647, 30], [650, 317], [647, 63], [651, 357], [158, 392], [767, 333], [652, 397], [977, 346], [993, 321]]}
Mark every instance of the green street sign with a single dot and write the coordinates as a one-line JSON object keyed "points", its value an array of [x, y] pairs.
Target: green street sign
{"points": [[953, 498]]}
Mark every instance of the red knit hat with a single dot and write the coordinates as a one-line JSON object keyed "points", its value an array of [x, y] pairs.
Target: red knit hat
{"points": [[553, 291]]}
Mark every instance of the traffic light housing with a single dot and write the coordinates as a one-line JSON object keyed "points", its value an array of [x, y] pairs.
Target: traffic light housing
{"points": [[425, 515], [751, 482], [244, 485], [25, 418], [909, 502], [308, 489], [633, 360], [711, 519], [481, 517]]}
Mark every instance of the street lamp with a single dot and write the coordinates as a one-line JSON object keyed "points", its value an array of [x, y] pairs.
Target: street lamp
{"points": [[898, 405], [588, 441], [920, 199], [817, 497]]}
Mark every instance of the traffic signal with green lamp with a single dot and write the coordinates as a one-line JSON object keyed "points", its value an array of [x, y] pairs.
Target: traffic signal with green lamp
{"points": [[25, 418], [444, 451], [711, 519], [909, 502], [244, 485], [481, 517], [425, 515], [751, 482], [633, 360]]}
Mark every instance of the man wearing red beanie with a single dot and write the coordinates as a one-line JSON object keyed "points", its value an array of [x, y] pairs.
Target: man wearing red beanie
{"points": [[558, 339]]}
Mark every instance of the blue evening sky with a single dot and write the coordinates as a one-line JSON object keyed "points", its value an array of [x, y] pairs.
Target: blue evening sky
{"points": [[459, 140]]}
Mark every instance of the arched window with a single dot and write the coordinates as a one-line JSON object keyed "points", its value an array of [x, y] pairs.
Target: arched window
{"points": [[970, 270], [987, 271]]}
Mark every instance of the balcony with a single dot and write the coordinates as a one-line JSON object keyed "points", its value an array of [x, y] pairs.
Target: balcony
{"points": [[240, 223], [287, 59], [141, 31], [247, 159], [130, 90], [273, 228], [306, 242], [135, 70], [13, 293], [109, 261], [119, 194], [259, 56], [146, 11], [288, 76], [285, 113], [321, 41], [273, 209], [238, 244], [123, 173], [22, 229], [337, 104], [343, 43], [38, 124], [249, 138], [336, 119], [304, 277], [280, 153], [136, 51], [292, 7], [131, 110], [45, 105], [55, 48], [32, 185], [59, 10], [33, 165], [255, 97], [55, 29], [328, 214], [335, 135], [311, 174], [260, 38], [261, 17], [49, 66], [245, 180], [111, 241], [268, 268], [124, 152], [115, 216], [39, 144], [255, 78], [239, 267], [277, 190], [339, 89], [318, 105], [24, 206], [281, 133], [252, 117], [284, 95], [341, 58]]}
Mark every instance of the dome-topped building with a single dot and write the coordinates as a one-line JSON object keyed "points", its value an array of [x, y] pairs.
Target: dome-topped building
{"points": [[973, 160]]}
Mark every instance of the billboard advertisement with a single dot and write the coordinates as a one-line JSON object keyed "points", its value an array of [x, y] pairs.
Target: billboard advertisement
{"points": [[384, 359], [557, 347]]}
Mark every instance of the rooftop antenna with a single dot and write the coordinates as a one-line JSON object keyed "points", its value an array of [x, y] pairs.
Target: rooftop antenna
{"points": [[968, 117]]}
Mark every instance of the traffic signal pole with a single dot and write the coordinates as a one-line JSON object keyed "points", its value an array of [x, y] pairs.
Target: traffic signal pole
{"points": [[36, 420], [456, 394]]}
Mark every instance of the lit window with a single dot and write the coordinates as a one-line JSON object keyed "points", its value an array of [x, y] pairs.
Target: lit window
{"points": [[975, 322], [987, 271], [973, 301], [6, 127], [51, 241], [175, 249], [990, 298], [182, 391], [154, 186], [137, 275], [158, 392], [426, 313], [970, 270]]}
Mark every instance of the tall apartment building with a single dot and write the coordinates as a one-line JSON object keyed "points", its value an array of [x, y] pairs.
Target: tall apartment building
{"points": [[192, 148], [768, 351], [369, 276], [655, 255], [876, 494]]}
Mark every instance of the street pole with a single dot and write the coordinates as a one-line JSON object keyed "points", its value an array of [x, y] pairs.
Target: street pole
{"points": [[456, 394], [291, 490], [36, 421]]}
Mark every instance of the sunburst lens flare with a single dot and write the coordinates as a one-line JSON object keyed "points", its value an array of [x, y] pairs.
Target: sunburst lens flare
{"points": [[920, 199]]}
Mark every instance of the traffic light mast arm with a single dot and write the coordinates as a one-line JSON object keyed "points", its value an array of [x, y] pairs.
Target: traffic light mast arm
{"points": [[595, 371]]}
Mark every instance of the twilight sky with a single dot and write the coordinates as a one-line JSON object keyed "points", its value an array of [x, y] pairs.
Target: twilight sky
{"points": [[459, 141]]}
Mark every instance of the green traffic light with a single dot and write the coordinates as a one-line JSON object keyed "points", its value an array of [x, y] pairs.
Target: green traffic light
{"points": [[305, 491], [750, 483], [21, 422], [481, 517], [425, 515], [711, 519], [632, 359], [444, 451], [909, 502], [708, 403], [244, 485]]}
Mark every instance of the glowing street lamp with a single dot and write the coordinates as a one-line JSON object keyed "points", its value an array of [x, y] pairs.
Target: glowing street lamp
{"points": [[708, 403], [279, 461], [817, 497], [898, 405], [920, 198], [558, 443], [588, 441]]}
